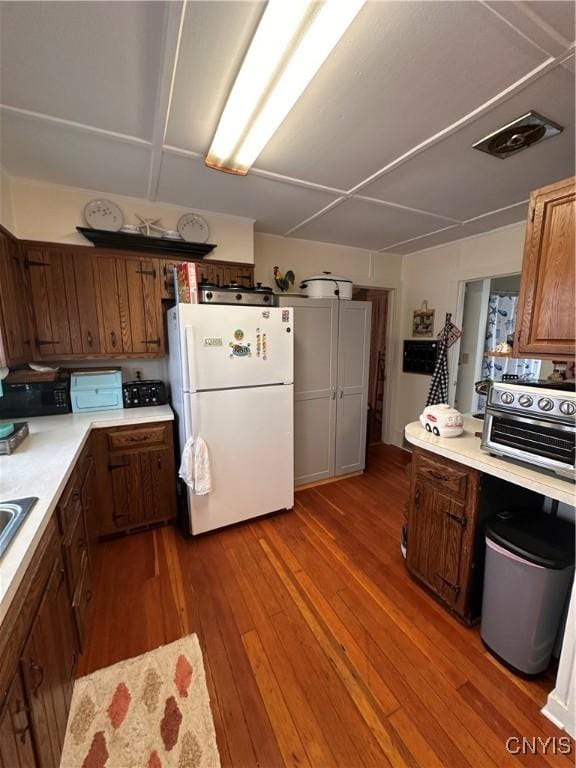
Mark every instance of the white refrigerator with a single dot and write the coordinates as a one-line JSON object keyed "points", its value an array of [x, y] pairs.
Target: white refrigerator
{"points": [[231, 379]]}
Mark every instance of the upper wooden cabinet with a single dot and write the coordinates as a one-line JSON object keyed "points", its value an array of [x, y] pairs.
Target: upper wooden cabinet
{"points": [[63, 303], [15, 325], [60, 302], [211, 271], [546, 309], [128, 291]]}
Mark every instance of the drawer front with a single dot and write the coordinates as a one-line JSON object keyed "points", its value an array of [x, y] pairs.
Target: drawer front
{"points": [[453, 481], [133, 438], [75, 550]]}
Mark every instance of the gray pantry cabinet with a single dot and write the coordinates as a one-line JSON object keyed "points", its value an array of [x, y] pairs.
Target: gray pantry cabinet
{"points": [[331, 361]]}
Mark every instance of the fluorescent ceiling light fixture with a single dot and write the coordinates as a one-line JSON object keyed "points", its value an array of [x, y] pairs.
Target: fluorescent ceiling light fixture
{"points": [[293, 39]]}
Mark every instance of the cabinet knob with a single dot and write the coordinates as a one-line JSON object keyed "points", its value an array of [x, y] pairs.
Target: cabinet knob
{"points": [[113, 338], [89, 339]]}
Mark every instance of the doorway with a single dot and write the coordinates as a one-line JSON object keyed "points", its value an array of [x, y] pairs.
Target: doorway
{"points": [[379, 298]]}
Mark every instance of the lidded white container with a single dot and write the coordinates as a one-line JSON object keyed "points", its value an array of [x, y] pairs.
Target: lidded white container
{"points": [[327, 286]]}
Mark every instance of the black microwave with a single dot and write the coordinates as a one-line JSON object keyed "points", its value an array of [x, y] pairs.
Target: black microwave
{"points": [[38, 398]]}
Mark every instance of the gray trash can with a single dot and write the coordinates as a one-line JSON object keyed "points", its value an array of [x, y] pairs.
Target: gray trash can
{"points": [[528, 572]]}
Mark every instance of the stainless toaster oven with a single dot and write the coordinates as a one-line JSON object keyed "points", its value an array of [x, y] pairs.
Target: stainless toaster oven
{"points": [[533, 422]]}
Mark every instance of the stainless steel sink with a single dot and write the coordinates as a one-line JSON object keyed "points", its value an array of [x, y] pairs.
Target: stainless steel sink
{"points": [[12, 515]]}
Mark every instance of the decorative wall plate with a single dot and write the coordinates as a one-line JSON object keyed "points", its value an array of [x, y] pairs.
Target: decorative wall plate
{"points": [[103, 214], [193, 228]]}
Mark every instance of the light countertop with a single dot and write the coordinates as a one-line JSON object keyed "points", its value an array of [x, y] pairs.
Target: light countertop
{"points": [[465, 449], [41, 466]]}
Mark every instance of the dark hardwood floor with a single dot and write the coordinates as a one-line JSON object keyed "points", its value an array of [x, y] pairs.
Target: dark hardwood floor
{"points": [[319, 649]]}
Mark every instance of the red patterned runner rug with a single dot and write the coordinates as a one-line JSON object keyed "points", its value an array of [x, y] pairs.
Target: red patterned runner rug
{"points": [[152, 711]]}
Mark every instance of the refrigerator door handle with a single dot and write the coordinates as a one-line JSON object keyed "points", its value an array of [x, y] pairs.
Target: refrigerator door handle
{"points": [[189, 378]]}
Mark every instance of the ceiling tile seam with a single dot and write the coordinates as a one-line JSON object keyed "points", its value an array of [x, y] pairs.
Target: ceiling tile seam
{"points": [[333, 204], [512, 26], [484, 108], [419, 237], [389, 204], [459, 224], [497, 210], [85, 128], [525, 9], [171, 39], [170, 149], [180, 151]]}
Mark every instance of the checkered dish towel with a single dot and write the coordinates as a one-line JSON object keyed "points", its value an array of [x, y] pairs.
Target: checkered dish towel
{"points": [[438, 392]]}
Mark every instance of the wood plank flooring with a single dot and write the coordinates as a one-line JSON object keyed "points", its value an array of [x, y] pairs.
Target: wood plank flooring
{"points": [[319, 648]]}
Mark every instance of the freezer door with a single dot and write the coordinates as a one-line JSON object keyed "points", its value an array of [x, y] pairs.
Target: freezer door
{"points": [[249, 435], [227, 347]]}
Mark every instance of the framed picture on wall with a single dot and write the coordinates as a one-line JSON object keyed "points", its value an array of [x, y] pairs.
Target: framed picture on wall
{"points": [[423, 321]]}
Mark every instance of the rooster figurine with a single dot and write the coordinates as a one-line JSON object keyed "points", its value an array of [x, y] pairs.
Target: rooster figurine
{"points": [[283, 281]]}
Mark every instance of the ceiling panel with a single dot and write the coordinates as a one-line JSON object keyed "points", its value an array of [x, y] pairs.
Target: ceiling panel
{"points": [[367, 225], [453, 179], [402, 72], [215, 37], [276, 206], [485, 224], [37, 150], [550, 23], [90, 62]]}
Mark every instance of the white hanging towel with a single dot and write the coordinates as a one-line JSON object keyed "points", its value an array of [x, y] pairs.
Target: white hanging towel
{"points": [[195, 466]]}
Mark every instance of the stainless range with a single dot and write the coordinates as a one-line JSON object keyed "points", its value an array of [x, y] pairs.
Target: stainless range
{"points": [[533, 422], [234, 293]]}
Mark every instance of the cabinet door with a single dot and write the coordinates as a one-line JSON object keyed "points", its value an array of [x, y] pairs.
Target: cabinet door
{"points": [[546, 307], [436, 526], [315, 371], [144, 303], [50, 302], [354, 323], [48, 665], [83, 293], [158, 483], [15, 328], [127, 495], [16, 749], [130, 306], [113, 305], [80, 601], [88, 504]]}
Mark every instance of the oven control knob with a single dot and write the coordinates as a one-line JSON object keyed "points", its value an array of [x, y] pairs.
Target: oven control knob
{"points": [[567, 408], [209, 295], [545, 404], [507, 398], [238, 297], [525, 401]]}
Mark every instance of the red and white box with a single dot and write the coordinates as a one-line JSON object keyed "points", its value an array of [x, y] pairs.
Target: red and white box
{"points": [[186, 283]]}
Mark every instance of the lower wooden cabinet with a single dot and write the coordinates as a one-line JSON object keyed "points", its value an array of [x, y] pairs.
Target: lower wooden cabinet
{"points": [[16, 744], [135, 477], [48, 665], [442, 523], [43, 632]]}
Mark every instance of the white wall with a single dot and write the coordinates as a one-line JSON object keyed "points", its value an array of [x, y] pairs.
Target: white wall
{"points": [[435, 275], [309, 257], [42, 211], [6, 214]]}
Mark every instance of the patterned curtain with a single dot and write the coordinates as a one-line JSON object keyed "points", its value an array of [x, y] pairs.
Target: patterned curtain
{"points": [[500, 328]]}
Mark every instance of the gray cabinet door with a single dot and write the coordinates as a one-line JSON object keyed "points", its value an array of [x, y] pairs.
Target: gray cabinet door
{"points": [[315, 372], [352, 397]]}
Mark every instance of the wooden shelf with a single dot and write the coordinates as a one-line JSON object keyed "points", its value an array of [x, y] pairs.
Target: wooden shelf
{"points": [[126, 241]]}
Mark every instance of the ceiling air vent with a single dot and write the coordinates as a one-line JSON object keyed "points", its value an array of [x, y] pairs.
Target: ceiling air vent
{"points": [[518, 135]]}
